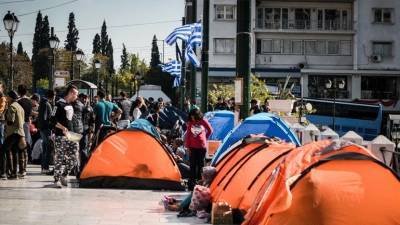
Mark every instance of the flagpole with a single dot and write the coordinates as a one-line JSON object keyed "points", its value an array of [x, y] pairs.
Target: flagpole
{"points": [[204, 56], [183, 72], [193, 68]]}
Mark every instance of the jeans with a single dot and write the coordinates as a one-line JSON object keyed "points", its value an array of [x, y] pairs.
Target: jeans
{"points": [[1, 132], [28, 139], [45, 136], [196, 158]]}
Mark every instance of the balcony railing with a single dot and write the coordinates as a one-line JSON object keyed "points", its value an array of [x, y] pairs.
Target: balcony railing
{"points": [[312, 25]]}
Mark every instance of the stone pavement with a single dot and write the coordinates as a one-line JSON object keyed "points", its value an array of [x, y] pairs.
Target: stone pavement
{"points": [[32, 201]]}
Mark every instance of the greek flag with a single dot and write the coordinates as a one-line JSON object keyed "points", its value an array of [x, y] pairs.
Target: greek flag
{"points": [[196, 37], [174, 68], [182, 33], [195, 40], [190, 56]]}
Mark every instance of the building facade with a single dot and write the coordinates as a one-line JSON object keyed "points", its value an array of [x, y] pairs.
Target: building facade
{"points": [[315, 42]]}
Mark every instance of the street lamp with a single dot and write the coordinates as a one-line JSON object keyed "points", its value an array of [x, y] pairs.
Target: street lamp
{"points": [[54, 41], [79, 56], [97, 65], [334, 85], [11, 25]]}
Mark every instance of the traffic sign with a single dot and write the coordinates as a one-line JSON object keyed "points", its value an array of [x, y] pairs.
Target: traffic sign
{"points": [[61, 73]]}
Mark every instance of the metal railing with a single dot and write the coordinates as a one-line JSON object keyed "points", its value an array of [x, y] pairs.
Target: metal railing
{"points": [[312, 25]]}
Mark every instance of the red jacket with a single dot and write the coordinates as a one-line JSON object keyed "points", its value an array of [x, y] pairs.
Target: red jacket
{"points": [[197, 134]]}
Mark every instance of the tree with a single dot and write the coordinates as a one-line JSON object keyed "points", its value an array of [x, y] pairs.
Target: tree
{"points": [[124, 59], [45, 33], [110, 55], [155, 54], [96, 44], [40, 59], [20, 50], [72, 37], [103, 39], [35, 49]]}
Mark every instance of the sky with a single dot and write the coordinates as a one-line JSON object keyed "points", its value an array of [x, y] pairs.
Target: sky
{"points": [[139, 20]]}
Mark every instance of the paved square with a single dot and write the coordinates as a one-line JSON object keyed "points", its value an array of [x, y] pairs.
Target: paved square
{"points": [[34, 201]]}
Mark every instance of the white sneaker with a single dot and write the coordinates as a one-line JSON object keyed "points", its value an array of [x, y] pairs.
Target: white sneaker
{"points": [[64, 181], [57, 184]]}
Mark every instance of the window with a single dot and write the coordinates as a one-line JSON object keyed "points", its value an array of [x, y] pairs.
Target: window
{"points": [[383, 15], [292, 47], [333, 47], [379, 87], [271, 46], [303, 18], [383, 49], [260, 17], [225, 12], [317, 88], [345, 48], [315, 47], [224, 45], [332, 19]]}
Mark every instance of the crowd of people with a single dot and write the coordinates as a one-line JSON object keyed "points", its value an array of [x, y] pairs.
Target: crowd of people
{"points": [[53, 120]]}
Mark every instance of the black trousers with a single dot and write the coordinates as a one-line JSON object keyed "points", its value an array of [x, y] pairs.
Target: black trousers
{"points": [[196, 158], [14, 155]]}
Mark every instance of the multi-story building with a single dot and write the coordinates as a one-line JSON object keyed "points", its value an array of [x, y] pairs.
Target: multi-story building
{"points": [[353, 42]]}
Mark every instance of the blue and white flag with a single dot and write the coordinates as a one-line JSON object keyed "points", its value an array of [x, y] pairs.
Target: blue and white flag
{"points": [[196, 38], [182, 33], [192, 35], [175, 69], [190, 56]]}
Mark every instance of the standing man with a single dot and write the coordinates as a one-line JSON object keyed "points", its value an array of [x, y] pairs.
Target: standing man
{"points": [[125, 105], [3, 106], [88, 130], [65, 150], [43, 123], [26, 104], [102, 112], [15, 144]]}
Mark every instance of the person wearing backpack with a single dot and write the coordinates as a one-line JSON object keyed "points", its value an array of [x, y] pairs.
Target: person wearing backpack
{"points": [[45, 109]]}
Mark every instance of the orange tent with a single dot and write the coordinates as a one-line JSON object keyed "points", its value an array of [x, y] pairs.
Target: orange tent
{"points": [[321, 184], [131, 159], [242, 172]]}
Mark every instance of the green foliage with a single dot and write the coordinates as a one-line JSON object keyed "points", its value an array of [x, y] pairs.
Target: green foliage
{"points": [[110, 55], [225, 91], [155, 54], [124, 58], [103, 39], [96, 44], [72, 36], [258, 89], [43, 83], [40, 59]]}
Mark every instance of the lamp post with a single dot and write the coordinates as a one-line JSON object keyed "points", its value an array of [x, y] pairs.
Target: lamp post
{"points": [[54, 41], [97, 65], [79, 56], [334, 85], [11, 25]]}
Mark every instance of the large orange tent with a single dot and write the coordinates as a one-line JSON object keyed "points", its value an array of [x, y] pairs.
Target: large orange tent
{"points": [[131, 159], [242, 172], [320, 184]]}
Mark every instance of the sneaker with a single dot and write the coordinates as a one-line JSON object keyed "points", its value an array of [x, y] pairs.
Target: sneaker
{"points": [[3, 177], [57, 184], [13, 177], [64, 181], [22, 175]]}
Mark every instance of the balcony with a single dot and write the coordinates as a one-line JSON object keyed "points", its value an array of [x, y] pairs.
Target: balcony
{"points": [[304, 26]]}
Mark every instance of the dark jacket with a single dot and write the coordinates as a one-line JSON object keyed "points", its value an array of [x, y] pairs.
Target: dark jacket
{"points": [[45, 109]]}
